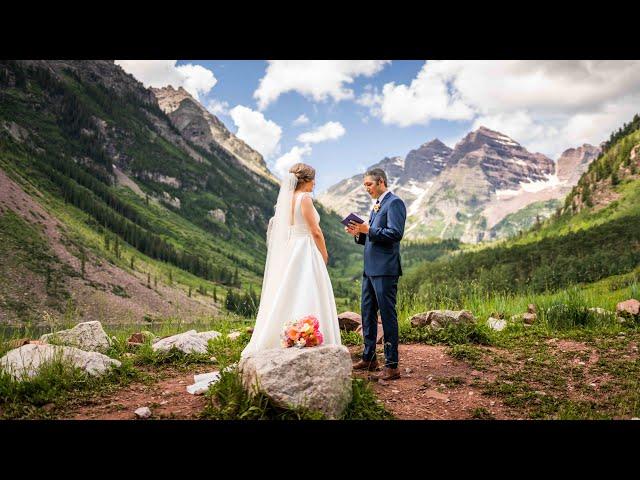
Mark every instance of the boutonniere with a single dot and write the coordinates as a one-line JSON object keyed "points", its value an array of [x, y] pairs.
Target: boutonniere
{"points": [[376, 207]]}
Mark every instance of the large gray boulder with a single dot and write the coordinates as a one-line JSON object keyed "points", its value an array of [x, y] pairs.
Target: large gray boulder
{"points": [[85, 336], [318, 378], [440, 318], [25, 362], [187, 342]]}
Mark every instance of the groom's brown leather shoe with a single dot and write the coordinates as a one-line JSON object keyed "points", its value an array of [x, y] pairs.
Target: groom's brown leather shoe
{"points": [[370, 365], [389, 374]]}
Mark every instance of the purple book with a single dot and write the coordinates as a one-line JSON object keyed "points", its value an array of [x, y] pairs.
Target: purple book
{"points": [[352, 217]]}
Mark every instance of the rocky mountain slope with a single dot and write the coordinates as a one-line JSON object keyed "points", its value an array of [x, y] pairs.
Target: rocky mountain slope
{"points": [[201, 127], [151, 220], [466, 191]]}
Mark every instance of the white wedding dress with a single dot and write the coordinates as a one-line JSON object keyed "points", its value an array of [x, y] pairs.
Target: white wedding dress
{"points": [[296, 280]]}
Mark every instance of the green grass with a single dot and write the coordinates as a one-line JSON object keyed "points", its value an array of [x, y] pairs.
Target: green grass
{"points": [[541, 382], [47, 394]]}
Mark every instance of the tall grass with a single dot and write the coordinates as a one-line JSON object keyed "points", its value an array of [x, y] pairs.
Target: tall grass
{"points": [[565, 310]]}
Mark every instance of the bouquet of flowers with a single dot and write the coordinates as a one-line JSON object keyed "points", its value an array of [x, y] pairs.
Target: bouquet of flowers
{"points": [[302, 333]]}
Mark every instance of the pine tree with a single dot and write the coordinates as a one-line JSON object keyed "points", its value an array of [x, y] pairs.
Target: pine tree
{"points": [[148, 280], [215, 294], [82, 261], [614, 178]]}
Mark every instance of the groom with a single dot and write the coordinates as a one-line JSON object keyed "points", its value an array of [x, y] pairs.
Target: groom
{"points": [[381, 240]]}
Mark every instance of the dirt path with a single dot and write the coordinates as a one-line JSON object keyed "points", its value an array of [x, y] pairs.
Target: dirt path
{"points": [[435, 386], [166, 398]]}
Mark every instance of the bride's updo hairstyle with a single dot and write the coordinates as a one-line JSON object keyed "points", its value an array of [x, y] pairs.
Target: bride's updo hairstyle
{"points": [[305, 173]]}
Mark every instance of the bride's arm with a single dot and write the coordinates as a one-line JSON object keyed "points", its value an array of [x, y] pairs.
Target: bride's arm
{"points": [[308, 213]]}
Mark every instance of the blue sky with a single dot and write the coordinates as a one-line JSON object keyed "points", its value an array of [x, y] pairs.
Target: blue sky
{"points": [[366, 140], [367, 110]]}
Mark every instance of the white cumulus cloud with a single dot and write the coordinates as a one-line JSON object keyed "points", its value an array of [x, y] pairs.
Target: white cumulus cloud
{"points": [[301, 120], [293, 156], [315, 79], [328, 131], [195, 79], [218, 107], [261, 134], [546, 105]]}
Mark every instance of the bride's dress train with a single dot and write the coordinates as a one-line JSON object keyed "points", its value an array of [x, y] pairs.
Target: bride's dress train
{"points": [[297, 286]]}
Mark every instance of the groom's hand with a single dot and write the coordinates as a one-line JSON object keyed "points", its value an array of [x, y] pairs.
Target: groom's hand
{"points": [[348, 230], [355, 228]]}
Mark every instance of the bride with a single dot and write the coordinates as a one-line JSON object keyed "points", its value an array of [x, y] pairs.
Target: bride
{"points": [[296, 282]]}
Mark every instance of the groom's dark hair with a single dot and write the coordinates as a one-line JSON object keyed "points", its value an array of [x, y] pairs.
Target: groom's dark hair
{"points": [[378, 174]]}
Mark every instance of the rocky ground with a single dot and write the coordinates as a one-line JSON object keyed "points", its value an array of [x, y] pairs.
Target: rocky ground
{"points": [[556, 378]]}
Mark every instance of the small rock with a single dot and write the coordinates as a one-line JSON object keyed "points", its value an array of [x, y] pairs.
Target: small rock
{"points": [[529, 318], [439, 318], [395, 391], [492, 403], [143, 412], [136, 338], [234, 335], [497, 324], [628, 308], [164, 402], [540, 392], [349, 321], [26, 361], [88, 336], [408, 370], [592, 385], [213, 360], [436, 395]]}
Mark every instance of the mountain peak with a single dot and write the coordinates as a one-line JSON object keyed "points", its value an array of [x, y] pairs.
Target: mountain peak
{"points": [[203, 128], [433, 143]]}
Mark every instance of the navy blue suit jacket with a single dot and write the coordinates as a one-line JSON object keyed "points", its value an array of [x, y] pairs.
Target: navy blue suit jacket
{"points": [[382, 243]]}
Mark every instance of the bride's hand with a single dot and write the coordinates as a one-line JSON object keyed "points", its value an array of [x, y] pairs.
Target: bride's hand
{"points": [[326, 259]]}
